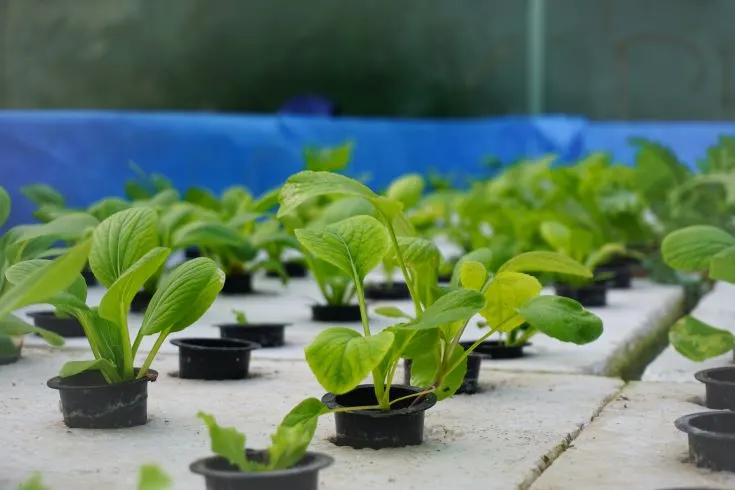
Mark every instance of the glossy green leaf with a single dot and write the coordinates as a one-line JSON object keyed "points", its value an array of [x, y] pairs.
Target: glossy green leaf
{"points": [[205, 235], [151, 477], [407, 190], [418, 251], [483, 255], [18, 272], [105, 208], [293, 436], [355, 245], [120, 241], [341, 358], [699, 341], [344, 208], [183, 296], [508, 292], [542, 261], [12, 326], [227, 442], [72, 368], [67, 227], [392, 312], [692, 248], [4, 206], [562, 318], [42, 194], [472, 275], [425, 369], [722, 266], [457, 305]]}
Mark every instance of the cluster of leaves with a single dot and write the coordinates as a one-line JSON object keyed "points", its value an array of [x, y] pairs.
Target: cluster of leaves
{"points": [[150, 477]]}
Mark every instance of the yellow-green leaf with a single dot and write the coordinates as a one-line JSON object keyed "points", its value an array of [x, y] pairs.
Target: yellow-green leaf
{"points": [[472, 275], [508, 292]]}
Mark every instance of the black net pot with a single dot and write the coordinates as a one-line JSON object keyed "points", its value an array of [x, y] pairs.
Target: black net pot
{"points": [[711, 439], [496, 349], [336, 313], [589, 295], [402, 425], [471, 376], [212, 359], [267, 335], [219, 474], [719, 386], [238, 284], [294, 270], [66, 326], [140, 302], [397, 290], [620, 275], [88, 402]]}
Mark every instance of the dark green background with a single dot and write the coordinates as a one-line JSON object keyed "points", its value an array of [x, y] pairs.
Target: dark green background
{"points": [[607, 59]]}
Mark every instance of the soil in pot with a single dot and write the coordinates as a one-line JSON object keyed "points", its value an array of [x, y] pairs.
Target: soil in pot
{"points": [[294, 270], [219, 474], [66, 326], [589, 295], [720, 387], [264, 334], [335, 313], [711, 439], [238, 284], [214, 358], [88, 402], [10, 349], [140, 301], [617, 276], [496, 349], [471, 377], [88, 276], [402, 425], [396, 290]]}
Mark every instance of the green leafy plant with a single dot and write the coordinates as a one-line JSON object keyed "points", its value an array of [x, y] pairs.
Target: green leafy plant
{"points": [[151, 477], [123, 256], [701, 249], [240, 317]]}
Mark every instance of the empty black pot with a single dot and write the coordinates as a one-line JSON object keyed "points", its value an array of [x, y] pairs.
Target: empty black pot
{"points": [[620, 275], [402, 425], [496, 349], [589, 295], [294, 270], [214, 358], [264, 334], [387, 291], [720, 387], [238, 284], [140, 301], [88, 402], [219, 474], [337, 313], [471, 376], [711, 439], [66, 326]]}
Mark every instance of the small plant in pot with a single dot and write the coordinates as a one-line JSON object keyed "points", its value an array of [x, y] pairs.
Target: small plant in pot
{"points": [[109, 391], [285, 464], [384, 414], [265, 334]]}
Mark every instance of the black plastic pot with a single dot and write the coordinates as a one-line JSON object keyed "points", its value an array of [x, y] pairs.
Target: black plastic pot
{"points": [[720, 387], [496, 349], [589, 295], [238, 284], [214, 358], [264, 334], [711, 439], [471, 376], [444, 278], [621, 275], [88, 402], [192, 253], [66, 326], [330, 313], [88, 276], [10, 349], [294, 269], [219, 474], [402, 425], [140, 301], [387, 291]]}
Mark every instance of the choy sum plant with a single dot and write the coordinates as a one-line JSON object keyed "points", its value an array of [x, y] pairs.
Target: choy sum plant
{"points": [[151, 477], [708, 249], [240, 317], [123, 256]]}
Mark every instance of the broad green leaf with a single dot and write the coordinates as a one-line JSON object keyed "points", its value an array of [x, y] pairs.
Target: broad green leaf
{"points": [[453, 380], [355, 245], [306, 185], [183, 296], [4, 206], [407, 189], [557, 235], [35, 482], [72, 368], [425, 369], [202, 197], [267, 201], [67, 227], [472, 275], [457, 305], [328, 159], [12, 326], [120, 241], [605, 254], [344, 208], [295, 433], [306, 412], [18, 272], [419, 343], [542, 261], [562, 318], [206, 235], [227, 442], [153, 478], [47, 281], [508, 292], [418, 251], [42, 194], [698, 341], [105, 208], [341, 358], [115, 304], [692, 248], [722, 266], [392, 312]]}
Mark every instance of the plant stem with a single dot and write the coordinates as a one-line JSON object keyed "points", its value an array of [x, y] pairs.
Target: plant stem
{"points": [[378, 382], [152, 354], [469, 350], [352, 409], [413, 395], [128, 372], [404, 269], [527, 335]]}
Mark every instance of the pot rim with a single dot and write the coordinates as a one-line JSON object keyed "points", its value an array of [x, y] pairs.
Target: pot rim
{"points": [[330, 400], [497, 344], [704, 376], [588, 286], [325, 305], [253, 325], [684, 424], [235, 344], [319, 462], [56, 383]]}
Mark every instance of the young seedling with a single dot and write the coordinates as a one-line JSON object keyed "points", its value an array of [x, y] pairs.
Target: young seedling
{"points": [[240, 317], [151, 477]]}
